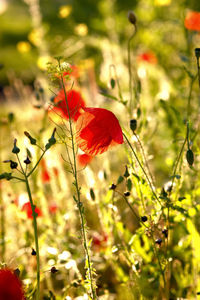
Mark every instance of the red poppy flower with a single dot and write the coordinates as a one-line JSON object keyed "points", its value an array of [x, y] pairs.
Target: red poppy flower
{"points": [[10, 286], [192, 20], [27, 208], [147, 57], [75, 103], [84, 159], [97, 130]]}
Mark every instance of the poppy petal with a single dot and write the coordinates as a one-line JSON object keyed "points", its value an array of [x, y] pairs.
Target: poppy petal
{"points": [[97, 130]]}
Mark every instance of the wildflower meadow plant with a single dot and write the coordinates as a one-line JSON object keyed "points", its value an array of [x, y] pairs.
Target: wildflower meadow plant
{"points": [[136, 212]]}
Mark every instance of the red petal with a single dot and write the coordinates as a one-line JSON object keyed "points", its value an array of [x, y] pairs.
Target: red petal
{"points": [[97, 130], [84, 159], [75, 103], [10, 286]]}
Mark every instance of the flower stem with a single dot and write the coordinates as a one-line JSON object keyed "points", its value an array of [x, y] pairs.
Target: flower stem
{"points": [[142, 168], [78, 200], [35, 236]]}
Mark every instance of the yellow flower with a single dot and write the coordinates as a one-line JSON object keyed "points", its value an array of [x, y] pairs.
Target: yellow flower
{"points": [[81, 29], [64, 11], [23, 47]]}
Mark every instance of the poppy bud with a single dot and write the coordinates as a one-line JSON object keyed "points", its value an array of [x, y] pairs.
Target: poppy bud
{"points": [[132, 17], [27, 161], [11, 117], [112, 83], [126, 174], [190, 157], [15, 149], [197, 52], [133, 125], [92, 194], [32, 140], [51, 141]]}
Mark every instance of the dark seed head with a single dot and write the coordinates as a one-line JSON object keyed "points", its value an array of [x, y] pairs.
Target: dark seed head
{"points": [[27, 161], [158, 241], [33, 252], [165, 232], [54, 270], [126, 194], [144, 218], [13, 164], [113, 186]]}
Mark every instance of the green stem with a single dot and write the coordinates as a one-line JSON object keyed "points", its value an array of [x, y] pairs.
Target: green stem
{"points": [[35, 236], [36, 164], [143, 170], [130, 72], [79, 203], [190, 95]]}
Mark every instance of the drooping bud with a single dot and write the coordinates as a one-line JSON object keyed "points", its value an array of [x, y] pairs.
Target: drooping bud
{"points": [[126, 173], [51, 141], [31, 139], [132, 17]]}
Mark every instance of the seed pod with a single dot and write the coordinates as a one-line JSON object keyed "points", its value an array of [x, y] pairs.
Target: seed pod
{"points": [[190, 157]]}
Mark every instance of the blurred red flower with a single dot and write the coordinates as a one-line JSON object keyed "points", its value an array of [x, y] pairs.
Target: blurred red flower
{"points": [[99, 241], [10, 286], [45, 174], [53, 208], [84, 159], [147, 57], [75, 103], [192, 20], [27, 208], [74, 72], [97, 130]]}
